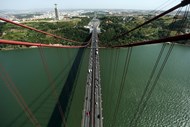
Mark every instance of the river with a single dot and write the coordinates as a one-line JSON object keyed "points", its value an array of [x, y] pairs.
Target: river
{"points": [[41, 74]]}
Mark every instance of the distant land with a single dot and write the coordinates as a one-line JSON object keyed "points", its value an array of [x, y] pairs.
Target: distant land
{"points": [[12, 14], [74, 24], [13, 11]]}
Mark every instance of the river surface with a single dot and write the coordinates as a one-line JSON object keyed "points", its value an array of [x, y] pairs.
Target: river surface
{"points": [[43, 75], [168, 105], [38, 75]]}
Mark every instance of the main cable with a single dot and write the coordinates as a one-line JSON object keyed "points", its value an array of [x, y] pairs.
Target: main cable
{"points": [[2, 41], [183, 3], [140, 110], [36, 30]]}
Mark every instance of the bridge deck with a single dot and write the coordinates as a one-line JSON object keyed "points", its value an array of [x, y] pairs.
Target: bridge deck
{"points": [[92, 114]]}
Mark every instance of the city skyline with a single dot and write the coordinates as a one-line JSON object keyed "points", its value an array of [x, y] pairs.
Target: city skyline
{"points": [[87, 4]]}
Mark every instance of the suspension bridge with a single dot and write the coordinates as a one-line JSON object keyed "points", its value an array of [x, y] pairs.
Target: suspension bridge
{"points": [[92, 115]]}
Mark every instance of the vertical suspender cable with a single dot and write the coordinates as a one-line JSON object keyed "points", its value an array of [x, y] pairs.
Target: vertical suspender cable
{"points": [[139, 109], [154, 85], [113, 80], [52, 83], [148, 83], [182, 4], [12, 88], [126, 67]]}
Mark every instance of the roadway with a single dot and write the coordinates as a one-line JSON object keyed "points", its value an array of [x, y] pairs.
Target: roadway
{"points": [[92, 113]]}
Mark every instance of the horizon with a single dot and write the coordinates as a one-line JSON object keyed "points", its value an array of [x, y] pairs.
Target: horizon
{"points": [[36, 9], [89, 5]]}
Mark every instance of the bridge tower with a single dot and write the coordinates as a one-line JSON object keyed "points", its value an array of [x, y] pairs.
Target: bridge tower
{"points": [[56, 13]]}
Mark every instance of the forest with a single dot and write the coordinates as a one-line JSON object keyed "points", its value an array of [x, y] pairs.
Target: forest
{"points": [[73, 30], [111, 27]]}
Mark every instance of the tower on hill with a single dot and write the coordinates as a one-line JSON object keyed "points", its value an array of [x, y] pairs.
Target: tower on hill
{"points": [[56, 13]]}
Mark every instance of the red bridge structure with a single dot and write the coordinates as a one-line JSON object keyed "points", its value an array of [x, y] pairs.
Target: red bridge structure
{"points": [[92, 115]]}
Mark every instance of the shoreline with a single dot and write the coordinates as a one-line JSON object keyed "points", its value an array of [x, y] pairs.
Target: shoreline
{"points": [[103, 47]]}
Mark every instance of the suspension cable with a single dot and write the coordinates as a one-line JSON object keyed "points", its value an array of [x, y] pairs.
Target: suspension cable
{"points": [[115, 71], [154, 84], [52, 84], [148, 83], [2, 41], [145, 98], [163, 40], [182, 4], [39, 31], [110, 72], [126, 67], [12, 88], [162, 6], [184, 19], [174, 20]]}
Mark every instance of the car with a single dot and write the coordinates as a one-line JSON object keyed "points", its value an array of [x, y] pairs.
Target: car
{"points": [[89, 70]]}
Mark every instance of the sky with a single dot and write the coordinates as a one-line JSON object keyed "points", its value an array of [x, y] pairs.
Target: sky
{"points": [[86, 4]]}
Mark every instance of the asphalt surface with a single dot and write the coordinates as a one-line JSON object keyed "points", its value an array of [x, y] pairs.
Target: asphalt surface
{"points": [[92, 113]]}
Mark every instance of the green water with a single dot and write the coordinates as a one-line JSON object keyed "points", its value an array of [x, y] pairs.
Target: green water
{"points": [[27, 71], [168, 105]]}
